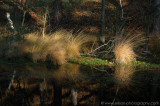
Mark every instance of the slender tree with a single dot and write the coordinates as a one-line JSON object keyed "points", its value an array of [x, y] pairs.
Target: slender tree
{"points": [[156, 25], [102, 35], [57, 14]]}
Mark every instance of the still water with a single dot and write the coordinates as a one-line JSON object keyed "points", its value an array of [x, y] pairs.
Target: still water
{"points": [[72, 84]]}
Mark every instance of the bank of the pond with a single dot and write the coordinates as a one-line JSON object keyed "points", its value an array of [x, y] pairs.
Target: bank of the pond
{"points": [[87, 61], [17, 60], [90, 61]]}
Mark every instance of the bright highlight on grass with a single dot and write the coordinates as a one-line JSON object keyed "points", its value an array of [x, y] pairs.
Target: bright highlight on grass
{"points": [[125, 45], [55, 47]]}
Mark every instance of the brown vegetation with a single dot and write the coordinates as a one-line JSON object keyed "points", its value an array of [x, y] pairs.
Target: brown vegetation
{"points": [[125, 45], [56, 47]]}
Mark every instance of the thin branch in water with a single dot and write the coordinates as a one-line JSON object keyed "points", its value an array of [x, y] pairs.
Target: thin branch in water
{"points": [[115, 96], [10, 84], [101, 70]]}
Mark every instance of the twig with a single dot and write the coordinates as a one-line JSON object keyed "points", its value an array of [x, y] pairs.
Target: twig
{"points": [[24, 15], [101, 70], [93, 46], [100, 46]]}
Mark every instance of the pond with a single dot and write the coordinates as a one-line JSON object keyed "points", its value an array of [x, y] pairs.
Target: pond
{"points": [[72, 84]]}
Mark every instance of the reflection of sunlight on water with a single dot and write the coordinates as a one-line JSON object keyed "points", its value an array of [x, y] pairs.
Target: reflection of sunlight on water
{"points": [[43, 85], [77, 84], [123, 74], [68, 71]]}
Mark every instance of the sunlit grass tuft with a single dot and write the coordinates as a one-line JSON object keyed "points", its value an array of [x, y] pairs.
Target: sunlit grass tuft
{"points": [[41, 48], [125, 45], [55, 47], [77, 43]]}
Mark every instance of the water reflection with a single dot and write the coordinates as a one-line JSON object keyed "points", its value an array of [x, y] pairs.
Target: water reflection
{"points": [[124, 74], [68, 72], [72, 84]]}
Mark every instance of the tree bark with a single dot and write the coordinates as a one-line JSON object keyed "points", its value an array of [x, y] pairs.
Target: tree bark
{"points": [[156, 24], [57, 14], [102, 35]]}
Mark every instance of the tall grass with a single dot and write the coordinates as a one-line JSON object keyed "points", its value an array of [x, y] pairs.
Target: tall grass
{"points": [[124, 47], [77, 43], [55, 47]]}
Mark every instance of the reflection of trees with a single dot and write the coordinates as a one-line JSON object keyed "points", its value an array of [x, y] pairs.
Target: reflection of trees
{"points": [[90, 86], [35, 85]]}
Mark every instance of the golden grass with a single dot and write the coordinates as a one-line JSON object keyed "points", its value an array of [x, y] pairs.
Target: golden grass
{"points": [[56, 47], [41, 48], [77, 43], [125, 45]]}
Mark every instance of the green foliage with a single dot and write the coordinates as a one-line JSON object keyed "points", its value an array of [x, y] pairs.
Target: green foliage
{"points": [[90, 61]]}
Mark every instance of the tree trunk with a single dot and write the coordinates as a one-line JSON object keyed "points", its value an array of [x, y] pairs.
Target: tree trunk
{"points": [[102, 35], [57, 15], [156, 25]]}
